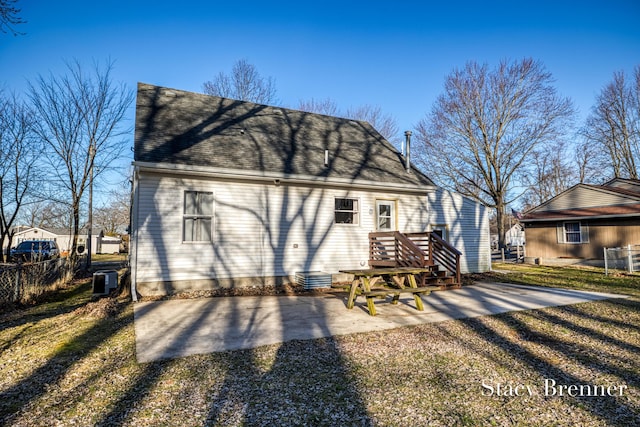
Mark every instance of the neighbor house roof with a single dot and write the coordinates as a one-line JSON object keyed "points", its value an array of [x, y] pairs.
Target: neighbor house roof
{"points": [[584, 201], [191, 130], [62, 231], [591, 212]]}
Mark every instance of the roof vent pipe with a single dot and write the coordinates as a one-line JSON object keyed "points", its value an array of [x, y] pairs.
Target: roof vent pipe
{"points": [[407, 150]]}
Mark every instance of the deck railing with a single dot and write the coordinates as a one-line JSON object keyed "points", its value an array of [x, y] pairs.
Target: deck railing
{"points": [[395, 249], [391, 249], [445, 255]]}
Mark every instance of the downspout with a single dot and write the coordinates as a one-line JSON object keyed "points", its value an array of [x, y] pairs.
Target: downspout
{"points": [[133, 236]]}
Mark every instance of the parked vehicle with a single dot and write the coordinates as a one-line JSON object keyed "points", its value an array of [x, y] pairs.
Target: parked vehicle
{"points": [[35, 250]]}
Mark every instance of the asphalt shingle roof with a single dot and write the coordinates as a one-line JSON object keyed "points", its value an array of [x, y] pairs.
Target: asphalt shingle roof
{"points": [[626, 210], [591, 212], [186, 128]]}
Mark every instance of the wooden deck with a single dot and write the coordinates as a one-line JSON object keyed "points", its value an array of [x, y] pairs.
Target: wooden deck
{"points": [[420, 250]]}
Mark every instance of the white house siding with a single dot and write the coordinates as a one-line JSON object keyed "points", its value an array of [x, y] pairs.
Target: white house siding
{"points": [[107, 245], [32, 234], [260, 230], [28, 234], [467, 224], [515, 236], [64, 241]]}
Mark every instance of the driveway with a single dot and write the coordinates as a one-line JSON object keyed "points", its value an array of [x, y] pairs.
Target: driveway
{"points": [[177, 328]]}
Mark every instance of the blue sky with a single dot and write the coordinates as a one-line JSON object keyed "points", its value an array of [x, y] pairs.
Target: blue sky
{"points": [[389, 54]]}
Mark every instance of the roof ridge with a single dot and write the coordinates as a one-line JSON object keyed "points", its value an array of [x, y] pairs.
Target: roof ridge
{"points": [[269, 106]]}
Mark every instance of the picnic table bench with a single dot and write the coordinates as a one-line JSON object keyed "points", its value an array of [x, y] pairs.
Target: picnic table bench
{"points": [[393, 283]]}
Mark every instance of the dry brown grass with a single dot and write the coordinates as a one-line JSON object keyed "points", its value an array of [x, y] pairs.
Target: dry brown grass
{"points": [[72, 362]]}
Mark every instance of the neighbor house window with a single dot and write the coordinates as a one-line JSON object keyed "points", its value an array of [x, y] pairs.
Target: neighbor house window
{"points": [[198, 214], [573, 232], [346, 211]]}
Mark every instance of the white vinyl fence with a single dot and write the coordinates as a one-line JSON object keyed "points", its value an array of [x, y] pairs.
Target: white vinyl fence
{"points": [[625, 259]]}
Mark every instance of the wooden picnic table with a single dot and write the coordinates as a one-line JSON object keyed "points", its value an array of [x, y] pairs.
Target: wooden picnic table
{"points": [[394, 283]]}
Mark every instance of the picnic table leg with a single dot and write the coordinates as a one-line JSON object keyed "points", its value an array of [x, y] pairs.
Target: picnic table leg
{"points": [[367, 288], [399, 281], [416, 296], [352, 293]]}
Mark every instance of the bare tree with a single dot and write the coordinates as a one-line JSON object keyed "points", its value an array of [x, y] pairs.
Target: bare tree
{"points": [[551, 171], [80, 120], [19, 151], [591, 164], [386, 124], [483, 128], [244, 83], [325, 106], [614, 125], [113, 215], [9, 17], [46, 214]]}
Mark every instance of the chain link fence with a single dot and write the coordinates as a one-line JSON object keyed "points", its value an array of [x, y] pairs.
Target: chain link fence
{"points": [[624, 259], [26, 282]]}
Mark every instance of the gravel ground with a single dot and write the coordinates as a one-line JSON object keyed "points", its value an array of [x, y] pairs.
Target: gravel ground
{"points": [[75, 365]]}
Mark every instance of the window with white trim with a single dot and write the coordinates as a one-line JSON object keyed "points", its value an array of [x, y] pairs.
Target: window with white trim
{"points": [[347, 211], [198, 216], [572, 232], [386, 215]]}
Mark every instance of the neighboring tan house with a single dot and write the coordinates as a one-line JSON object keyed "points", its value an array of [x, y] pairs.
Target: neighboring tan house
{"points": [[229, 193], [580, 222]]}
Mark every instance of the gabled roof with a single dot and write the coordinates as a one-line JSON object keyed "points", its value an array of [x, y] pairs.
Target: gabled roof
{"points": [[60, 231], [25, 230], [202, 132], [629, 184], [589, 201], [592, 212]]}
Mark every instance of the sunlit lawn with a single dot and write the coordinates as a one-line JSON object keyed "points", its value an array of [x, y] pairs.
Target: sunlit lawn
{"points": [[71, 361], [109, 257]]}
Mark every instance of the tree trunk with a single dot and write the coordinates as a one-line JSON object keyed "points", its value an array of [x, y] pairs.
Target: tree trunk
{"points": [[500, 222], [2, 255], [73, 255]]}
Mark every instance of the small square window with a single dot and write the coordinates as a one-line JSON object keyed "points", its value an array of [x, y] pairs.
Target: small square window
{"points": [[346, 211]]}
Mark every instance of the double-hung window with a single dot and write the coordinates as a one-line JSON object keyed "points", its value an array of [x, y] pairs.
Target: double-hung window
{"points": [[198, 216], [573, 232], [346, 211]]}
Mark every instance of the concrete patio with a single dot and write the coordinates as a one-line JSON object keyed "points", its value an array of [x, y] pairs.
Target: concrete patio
{"points": [[182, 327]]}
